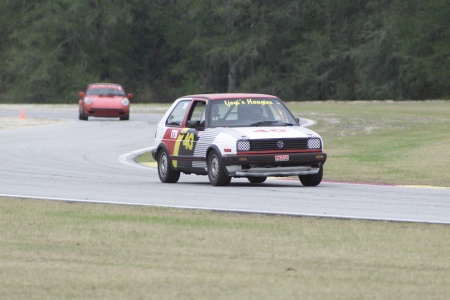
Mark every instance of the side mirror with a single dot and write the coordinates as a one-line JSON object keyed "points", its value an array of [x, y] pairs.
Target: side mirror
{"points": [[81, 94], [192, 124], [298, 120], [130, 96]]}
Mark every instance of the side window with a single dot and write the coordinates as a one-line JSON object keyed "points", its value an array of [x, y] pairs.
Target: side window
{"points": [[198, 113], [177, 116]]}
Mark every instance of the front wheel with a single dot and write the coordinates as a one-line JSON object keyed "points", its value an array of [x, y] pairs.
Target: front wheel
{"points": [[312, 180], [216, 173], [165, 172], [81, 115], [125, 118], [256, 179]]}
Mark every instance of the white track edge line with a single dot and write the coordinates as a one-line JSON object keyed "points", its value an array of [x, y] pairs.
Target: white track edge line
{"points": [[227, 210], [128, 158]]}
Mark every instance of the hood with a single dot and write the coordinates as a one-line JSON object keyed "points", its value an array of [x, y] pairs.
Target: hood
{"points": [[106, 101], [271, 132]]}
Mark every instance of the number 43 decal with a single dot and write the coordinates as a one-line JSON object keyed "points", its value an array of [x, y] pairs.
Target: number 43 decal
{"points": [[188, 141]]}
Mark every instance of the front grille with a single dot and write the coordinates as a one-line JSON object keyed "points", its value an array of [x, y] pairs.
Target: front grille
{"points": [[278, 144]]}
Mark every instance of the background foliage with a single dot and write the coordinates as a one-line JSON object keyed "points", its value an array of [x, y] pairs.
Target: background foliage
{"points": [[162, 49]]}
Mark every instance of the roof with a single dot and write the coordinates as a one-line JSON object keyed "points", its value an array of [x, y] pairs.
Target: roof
{"points": [[229, 95]]}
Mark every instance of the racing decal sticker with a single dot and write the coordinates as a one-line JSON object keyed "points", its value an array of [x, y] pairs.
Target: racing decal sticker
{"points": [[247, 101], [188, 141], [105, 85], [176, 148], [273, 130], [174, 134], [183, 148], [281, 157], [205, 140]]}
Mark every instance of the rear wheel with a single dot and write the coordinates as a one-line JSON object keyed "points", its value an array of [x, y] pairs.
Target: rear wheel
{"points": [[256, 179], [165, 172], [216, 173], [312, 180]]}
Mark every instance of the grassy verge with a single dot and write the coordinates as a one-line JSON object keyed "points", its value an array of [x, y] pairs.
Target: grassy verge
{"points": [[145, 158], [381, 141], [16, 123], [59, 250], [386, 141]]}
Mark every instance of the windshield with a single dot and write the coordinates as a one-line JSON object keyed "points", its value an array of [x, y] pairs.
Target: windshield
{"points": [[105, 92], [247, 112]]}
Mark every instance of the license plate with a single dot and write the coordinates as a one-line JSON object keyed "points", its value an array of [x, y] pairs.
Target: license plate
{"points": [[281, 157]]}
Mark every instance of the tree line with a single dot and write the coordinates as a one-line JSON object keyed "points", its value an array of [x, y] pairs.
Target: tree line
{"points": [[162, 49]]}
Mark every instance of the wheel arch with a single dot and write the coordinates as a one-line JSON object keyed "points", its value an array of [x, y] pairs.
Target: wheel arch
{"points": [[211, 148], [217, 149], [163, 147]]}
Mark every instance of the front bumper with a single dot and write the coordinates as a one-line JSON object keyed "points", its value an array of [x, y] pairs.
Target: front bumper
{"points": [[274, 164], [106, 112], [277, 172]]}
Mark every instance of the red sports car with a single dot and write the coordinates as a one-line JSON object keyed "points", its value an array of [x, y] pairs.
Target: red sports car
{"points": [[104, 100]]}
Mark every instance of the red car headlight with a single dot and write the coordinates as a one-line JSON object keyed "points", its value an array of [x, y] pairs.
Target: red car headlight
{"points": [[88, 101], [125, 102]]}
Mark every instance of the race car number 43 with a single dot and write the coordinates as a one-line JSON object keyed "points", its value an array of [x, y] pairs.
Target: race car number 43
{"points": [[236, 135], [281, 157]]}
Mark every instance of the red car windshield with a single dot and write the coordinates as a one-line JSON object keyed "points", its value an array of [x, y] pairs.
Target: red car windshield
{"points": [[105, 92]]}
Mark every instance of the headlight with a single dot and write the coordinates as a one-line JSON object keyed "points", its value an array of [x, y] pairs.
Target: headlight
{"points": [[125, 102], [314, 144], [88, 101]]}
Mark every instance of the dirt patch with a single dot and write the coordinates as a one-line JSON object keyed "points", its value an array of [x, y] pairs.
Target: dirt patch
{"points": [[17, 123], [39, 107]]}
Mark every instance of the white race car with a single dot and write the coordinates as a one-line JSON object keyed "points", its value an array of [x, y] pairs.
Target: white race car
{"points": [[236, 135]]}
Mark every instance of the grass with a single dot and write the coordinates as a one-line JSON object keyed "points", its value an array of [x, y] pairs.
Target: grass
{"points": [[381, 141], [60, 250], [384, 141], [145, 158]]}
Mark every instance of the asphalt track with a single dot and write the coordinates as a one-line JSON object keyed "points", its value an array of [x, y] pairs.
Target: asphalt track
{"points": [[93, 162]]}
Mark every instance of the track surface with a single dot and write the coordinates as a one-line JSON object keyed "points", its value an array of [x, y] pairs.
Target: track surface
{"points": [[92, 161]]}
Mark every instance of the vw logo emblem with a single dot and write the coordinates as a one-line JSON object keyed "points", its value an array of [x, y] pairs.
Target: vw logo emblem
{"points": [[280, 144]]}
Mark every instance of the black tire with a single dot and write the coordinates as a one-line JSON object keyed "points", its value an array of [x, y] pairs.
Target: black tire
{"points": [[256, 179], [126, 118], [82, 116], [216, 173], [311, 180], [165, 171]]}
